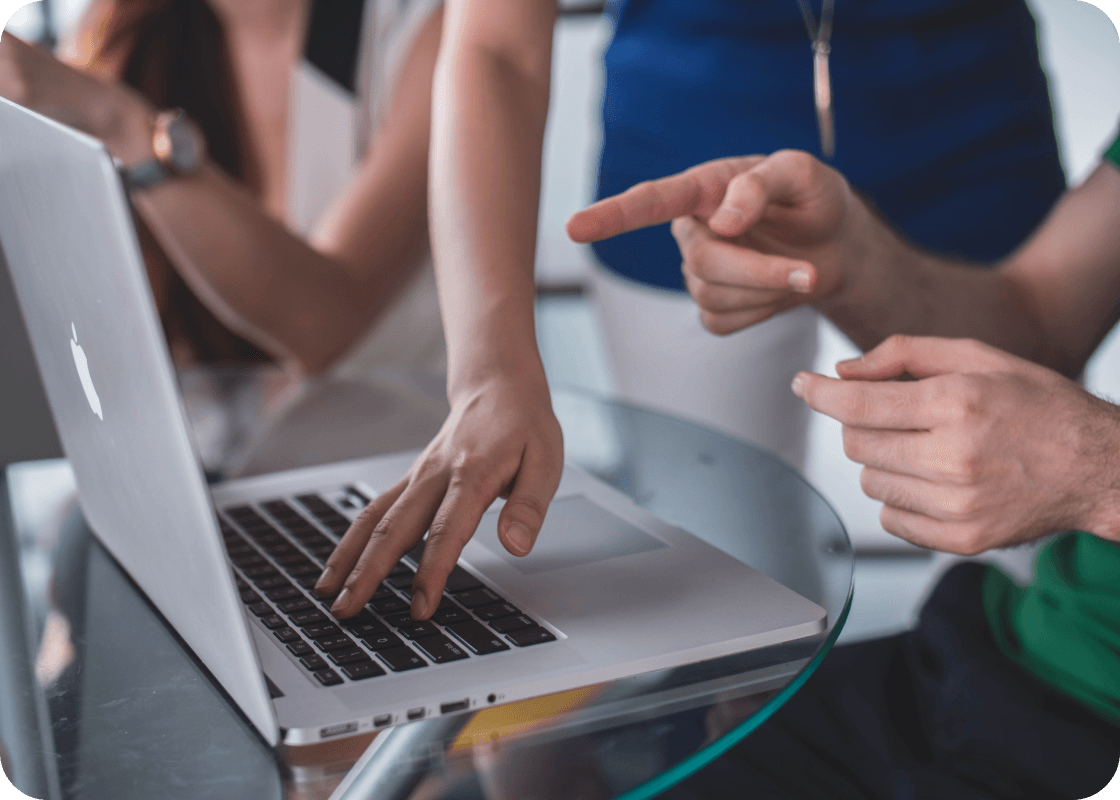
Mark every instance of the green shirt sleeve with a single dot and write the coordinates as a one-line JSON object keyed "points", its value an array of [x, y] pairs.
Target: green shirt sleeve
{"points": [[1113, 153], [1065, 627]]}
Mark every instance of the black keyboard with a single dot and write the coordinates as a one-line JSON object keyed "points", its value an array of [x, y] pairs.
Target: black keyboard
{"points": [[278, 548]]}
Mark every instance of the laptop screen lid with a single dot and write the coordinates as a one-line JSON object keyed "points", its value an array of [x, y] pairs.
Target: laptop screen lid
{"points": [[71, 248]]}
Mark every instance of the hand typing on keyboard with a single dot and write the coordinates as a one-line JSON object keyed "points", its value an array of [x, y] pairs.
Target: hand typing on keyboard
{"points": [[500, 440]]}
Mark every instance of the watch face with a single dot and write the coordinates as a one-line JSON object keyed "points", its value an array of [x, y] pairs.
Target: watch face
{"points": [[179, 144]]}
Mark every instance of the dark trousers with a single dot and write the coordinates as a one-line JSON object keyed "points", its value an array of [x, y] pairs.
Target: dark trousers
{"points": [[937, 712]]}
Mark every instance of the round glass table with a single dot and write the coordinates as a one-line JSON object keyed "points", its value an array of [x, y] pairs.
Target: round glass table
{"points": [[99, 698]]}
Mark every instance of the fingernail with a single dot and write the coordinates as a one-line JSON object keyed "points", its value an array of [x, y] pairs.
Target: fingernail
{"points": [[341, 602], [799, 280], [519, 537], [727, 217], [324, 579], [798, 384], [419, 606]]}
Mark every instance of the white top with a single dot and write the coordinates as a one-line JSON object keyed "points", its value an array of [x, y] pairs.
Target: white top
{"points": [[330, 132]]}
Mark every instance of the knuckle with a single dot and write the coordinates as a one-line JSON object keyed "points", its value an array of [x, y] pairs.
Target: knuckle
{"points": [[853, 443], [897, 343], [527, 508], [856, 408], [718, 324]]}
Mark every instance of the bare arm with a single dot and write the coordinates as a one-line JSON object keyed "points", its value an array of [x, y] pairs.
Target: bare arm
{"points": [[501, 439], [760, 236], [304, 301]]}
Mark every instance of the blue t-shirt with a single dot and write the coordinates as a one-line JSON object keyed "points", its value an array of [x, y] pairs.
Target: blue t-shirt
{"points": [[942, 113]]}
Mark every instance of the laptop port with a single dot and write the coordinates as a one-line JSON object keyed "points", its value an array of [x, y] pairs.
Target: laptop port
{"points": [[416, 713], [451, 708], [491, 698], [382, 721], [337, 730]]}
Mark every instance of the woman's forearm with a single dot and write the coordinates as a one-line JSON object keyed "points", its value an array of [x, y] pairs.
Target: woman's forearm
{"points": [[305, 301], [491, 102], [300, 303]]}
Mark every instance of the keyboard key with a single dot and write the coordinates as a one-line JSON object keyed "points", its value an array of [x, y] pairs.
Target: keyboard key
{"points": [[510, 624], [477, 597], [300, 648], [294, 605], [248, 597], [314, 662], [311, 617], [402, 581], [321, 630], [264, 584], [242, 584], [263, 571], [390, 605], [273, 621], [460, 580], [328, 677], [283, 593], [440, 649], [362, 670], [382, 641], [497, 611], [248, 560], [418, 630], [349, 656], [366, 627], [308, 581], [400, 659], [450, 614], [260, 609], [330, 643], [400, 620], [382, 592], [293, 559], [416, 552], [530, 636], [299, 570], [355, 492], [477, 638], [286, 634]]}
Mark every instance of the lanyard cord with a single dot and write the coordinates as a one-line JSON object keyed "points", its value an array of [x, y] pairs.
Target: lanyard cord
{"points": [[822, 33], [819, 35]]}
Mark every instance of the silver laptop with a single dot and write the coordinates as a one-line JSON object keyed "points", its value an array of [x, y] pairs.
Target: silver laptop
{"points": [[609, 591]]}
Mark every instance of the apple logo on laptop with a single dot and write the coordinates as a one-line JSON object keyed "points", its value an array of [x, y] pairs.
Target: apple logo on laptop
{"points": [[83, 373]]}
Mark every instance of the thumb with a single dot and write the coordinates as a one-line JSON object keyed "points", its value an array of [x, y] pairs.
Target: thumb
{"points": [[521, 518]]}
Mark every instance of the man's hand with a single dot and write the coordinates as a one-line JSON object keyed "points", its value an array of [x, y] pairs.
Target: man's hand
{"points": [[983, 450], [758, 235], [500, 440]]}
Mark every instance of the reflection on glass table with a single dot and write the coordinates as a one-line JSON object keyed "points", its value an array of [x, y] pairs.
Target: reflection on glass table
{"points": [[98, 697]]}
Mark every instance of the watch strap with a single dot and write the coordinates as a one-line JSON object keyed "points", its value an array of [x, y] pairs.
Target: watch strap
{"points": [[145, 175]]}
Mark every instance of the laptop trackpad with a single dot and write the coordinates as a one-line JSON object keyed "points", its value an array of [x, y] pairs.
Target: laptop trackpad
{"points": [[576, 531]]}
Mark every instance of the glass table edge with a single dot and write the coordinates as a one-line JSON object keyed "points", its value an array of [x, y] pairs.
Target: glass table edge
{"points": [[702, 758]]}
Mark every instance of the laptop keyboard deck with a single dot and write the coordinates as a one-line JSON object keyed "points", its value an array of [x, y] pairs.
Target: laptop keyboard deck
{"points": [[278, 549]]}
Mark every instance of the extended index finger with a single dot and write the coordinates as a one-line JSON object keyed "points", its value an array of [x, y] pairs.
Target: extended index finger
{"points": [[697, 191], [865, 404]]}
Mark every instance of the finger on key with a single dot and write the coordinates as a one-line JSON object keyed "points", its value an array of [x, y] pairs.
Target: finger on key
{"points": [[454, 524], [401, 527], [353, 542]]}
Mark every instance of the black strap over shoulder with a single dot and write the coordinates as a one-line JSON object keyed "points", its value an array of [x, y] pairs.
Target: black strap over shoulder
{"points": [[334, 35]]}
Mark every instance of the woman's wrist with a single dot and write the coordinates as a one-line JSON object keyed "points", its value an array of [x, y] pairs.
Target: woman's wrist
{"points": [[126, 126]]}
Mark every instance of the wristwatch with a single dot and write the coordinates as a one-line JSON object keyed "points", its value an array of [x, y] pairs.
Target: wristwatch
{"points": [[180, 149]]}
